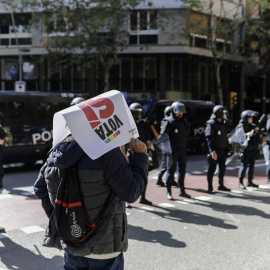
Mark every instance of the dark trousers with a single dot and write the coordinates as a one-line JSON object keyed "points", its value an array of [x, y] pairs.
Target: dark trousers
{"points": [[82, 263], [221, 159], [164, 163], [247, 165], [1, 161], [179, 161]]}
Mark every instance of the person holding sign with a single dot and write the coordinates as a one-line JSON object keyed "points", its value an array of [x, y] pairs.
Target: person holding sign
{"points": [[96, 130]]}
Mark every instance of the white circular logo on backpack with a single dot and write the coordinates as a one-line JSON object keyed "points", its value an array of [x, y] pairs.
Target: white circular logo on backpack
{"points": [[76, 230]]}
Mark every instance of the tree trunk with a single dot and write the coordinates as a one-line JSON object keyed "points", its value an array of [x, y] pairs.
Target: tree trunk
{"points": [[106, 79], [219, 86]]}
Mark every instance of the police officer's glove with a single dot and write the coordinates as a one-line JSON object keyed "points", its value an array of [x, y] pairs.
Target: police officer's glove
{"points": [[210, 160]]}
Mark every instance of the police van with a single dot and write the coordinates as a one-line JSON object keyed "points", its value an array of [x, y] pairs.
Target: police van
{"points": [[197, 113], [28, 119]]}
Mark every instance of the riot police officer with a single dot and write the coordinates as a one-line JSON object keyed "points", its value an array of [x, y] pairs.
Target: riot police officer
{"points": [[144, 135], [3, 135], [76, 100], [218, 145], [163, 166], [177, 127], [249, 149]]}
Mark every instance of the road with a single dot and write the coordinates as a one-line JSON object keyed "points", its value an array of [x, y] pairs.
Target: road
{"points": [[228, 230]]}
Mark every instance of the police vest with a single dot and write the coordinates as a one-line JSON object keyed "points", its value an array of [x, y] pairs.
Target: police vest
{"points": [[178, 132], [217, 134]]}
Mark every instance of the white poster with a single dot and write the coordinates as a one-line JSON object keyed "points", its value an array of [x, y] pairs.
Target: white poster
{"points": [[99, 124]]}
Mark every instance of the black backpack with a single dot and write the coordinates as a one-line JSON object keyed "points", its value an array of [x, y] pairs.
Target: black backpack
{"points": [[69, 214]]}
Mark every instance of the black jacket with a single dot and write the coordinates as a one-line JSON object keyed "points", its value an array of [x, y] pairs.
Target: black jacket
{"points": [[216, 135], [177, 129], [98, 178]]}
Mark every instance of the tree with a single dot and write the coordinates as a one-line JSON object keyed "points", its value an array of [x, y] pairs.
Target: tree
{"points": [[258, 31], [220, 23], [88, 33]]}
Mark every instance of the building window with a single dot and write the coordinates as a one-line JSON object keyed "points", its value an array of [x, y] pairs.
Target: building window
{"points": [[143, 27], [138, 75], [15, 31]]}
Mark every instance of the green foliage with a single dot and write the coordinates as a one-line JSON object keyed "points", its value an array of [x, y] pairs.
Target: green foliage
{"points": [[86, 32]]}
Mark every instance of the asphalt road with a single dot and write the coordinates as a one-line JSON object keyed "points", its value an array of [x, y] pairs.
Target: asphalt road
{"points": [[222, 231]]}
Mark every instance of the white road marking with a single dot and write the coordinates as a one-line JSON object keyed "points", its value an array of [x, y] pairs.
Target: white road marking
{"points": [[146, 208], [182, 202], [189, 201], [237, 191], [166, 205], [264, 186], [28, 189], [3, 235], [27, 193], [203, 198], [6, 196], [32, 229]]}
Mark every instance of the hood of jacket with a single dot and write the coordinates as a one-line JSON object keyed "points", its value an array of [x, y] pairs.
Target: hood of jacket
{"points": [[65, 154]]}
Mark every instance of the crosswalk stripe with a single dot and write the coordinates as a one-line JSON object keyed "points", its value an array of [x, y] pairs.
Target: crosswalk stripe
{"points": [[32, 229], [6, 196], [166, 205], [203, 198]]}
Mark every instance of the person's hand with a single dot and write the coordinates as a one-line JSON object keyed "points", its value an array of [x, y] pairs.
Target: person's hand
{"points": [[2, 142], [250, 134], [214, 155], [137, 146]]}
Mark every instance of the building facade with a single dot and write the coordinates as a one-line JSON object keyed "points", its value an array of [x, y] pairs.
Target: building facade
{"points": [[168, 56]]}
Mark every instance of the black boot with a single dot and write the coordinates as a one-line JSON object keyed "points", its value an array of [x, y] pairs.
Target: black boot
{"points": [[169, 194], [251, 184], [241, 185], [183, 193], [2, 230], [1, 182], [159, 181], [210, 189]]}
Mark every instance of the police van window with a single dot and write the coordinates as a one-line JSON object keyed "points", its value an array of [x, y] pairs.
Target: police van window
{"points": [[16, 109], [3, 109], [44, 110], [61, 106]]}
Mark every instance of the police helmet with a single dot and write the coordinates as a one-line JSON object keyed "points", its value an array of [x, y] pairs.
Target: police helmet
{"points": [[76, 100], [168, 111], [136, 110], [178, 107], [221, 112], [247, 114]]}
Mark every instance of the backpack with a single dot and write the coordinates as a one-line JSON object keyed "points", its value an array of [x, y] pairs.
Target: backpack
{"points": [[69, 214]]}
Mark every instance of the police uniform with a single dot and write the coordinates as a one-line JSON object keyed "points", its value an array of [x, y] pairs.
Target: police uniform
{"points": [[1, 153], [217, 140], [144, 130], [249, 154], [177, 129], [144, 136]]}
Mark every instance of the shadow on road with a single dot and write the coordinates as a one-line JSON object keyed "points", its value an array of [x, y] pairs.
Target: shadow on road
{"points": [[193, 218], [162, 237], [14, 256]]}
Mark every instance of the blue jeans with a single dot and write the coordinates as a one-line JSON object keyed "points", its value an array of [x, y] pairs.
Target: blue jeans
{"points": [[82, 263]]}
